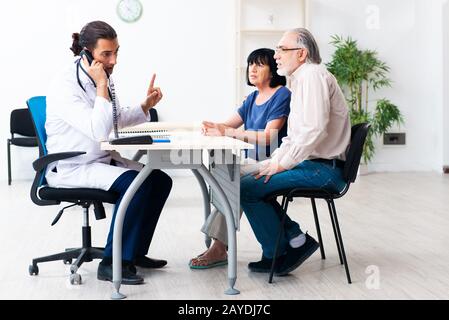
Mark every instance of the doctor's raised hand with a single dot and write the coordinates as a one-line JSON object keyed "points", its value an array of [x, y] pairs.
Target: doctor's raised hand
{"points": [[154, 95]]}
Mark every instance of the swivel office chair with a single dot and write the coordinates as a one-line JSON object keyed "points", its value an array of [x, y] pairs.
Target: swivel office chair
{"points": [[351, 165], [20, 123], [43, 195]]}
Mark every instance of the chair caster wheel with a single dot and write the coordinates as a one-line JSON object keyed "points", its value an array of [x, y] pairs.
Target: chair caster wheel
{"points": [[73, 269], [33, 270], [75, 279], [67, 261]]}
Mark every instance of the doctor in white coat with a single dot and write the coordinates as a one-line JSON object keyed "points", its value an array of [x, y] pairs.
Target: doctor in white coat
{"points": [[79, 116]]}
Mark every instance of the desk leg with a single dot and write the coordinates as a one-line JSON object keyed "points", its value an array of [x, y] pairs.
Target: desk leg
{"points": [[232, 241], [139, 154], [118, 228], [206, 201]]}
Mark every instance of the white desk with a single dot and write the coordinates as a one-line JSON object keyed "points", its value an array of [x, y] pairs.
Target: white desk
{"points": [[186, 151]]}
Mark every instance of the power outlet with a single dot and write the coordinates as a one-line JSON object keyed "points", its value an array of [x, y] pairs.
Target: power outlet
{"points": [[395, 139]]}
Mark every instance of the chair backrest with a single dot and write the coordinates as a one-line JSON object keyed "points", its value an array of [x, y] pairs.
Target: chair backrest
{"points": [[38, 107], [21, 123], [38, 110], [154, 116], [354, 153]]}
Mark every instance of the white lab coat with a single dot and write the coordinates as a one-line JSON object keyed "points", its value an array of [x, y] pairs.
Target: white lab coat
{"points": [[79, 121]]}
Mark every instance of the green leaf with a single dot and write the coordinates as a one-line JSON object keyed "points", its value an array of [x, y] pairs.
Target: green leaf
{"points": [[385, 116], [355, 69]]}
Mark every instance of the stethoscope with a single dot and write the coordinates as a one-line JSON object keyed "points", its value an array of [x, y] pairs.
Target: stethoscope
{"points": [[111, 91], [80, 66]]}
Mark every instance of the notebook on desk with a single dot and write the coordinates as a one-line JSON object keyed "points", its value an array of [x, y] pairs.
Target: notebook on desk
{"points": [[162, 127], [156, 135], [160, 132]]}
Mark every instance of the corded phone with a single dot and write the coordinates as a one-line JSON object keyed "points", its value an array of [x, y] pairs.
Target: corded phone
{"points": [[141, 139], [88, 55]]}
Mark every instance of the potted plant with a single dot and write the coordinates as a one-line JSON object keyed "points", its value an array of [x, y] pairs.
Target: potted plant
{"points": [[358, 72]]}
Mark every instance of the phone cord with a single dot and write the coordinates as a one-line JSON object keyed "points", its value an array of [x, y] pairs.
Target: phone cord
{"points": [[114, 109]]}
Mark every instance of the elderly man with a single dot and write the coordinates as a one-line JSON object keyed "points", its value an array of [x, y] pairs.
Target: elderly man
{"points": [[311, 156]]}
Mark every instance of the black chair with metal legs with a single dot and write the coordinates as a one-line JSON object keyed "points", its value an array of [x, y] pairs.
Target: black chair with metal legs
{"points": [[21, 124], [351, 165], [43, 195]]}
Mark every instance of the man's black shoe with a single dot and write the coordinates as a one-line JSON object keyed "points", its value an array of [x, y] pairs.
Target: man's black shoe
{"points": [[296, 256], [145, 262], [264, 265], [132, 268], [128, 277]]}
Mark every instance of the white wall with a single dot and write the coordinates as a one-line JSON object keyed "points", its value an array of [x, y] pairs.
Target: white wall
{"points": [[445, 13], [408, 36], [189, 44]]}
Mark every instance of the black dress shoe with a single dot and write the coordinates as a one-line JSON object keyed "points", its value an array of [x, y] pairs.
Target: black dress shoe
{"points": [[264, 265], [128, 277], [132, 268], [148, 263], [296, 256]]}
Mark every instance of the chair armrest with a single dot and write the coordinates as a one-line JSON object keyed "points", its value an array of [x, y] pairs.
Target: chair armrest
{"points": [[44, 161]]}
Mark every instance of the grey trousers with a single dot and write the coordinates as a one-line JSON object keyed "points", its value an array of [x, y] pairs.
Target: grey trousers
{"points": [[215, 225]]}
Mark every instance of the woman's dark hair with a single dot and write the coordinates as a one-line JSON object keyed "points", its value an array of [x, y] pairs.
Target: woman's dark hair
{"points": [[266, 57], [90, 34]]}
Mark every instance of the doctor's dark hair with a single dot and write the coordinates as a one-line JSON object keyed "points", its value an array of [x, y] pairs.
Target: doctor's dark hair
{"points": [[90, 34], [266, 57]]}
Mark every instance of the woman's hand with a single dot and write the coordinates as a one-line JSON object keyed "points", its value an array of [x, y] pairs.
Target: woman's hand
{"points": [[214, 129], [154, 95]]}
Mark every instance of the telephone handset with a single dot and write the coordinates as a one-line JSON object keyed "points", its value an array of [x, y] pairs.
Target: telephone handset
{"points": [[90, 58], [86, 53]]}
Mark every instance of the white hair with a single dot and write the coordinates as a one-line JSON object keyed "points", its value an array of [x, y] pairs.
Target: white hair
{"points": [[306, 40]]}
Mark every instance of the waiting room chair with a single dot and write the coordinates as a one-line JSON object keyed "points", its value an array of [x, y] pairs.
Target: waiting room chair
{"points": [[43, 195], [20, 124], [351, 165]]}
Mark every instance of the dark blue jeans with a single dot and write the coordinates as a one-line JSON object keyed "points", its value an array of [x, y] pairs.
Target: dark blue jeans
{"points": [[264, 217], [142, 214]]}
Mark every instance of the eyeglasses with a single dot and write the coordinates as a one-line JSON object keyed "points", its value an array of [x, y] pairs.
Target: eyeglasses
{"points": [[282, 49]]}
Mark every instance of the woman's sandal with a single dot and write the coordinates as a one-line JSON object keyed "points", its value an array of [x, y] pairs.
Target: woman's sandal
{"points": [[209, 264]]}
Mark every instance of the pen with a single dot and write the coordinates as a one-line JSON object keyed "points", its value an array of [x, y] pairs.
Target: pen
{"points": [[161, 140]]}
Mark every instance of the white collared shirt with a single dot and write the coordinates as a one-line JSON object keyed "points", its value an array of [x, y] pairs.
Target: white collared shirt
{"points": [[79, 120], [318, 124]]}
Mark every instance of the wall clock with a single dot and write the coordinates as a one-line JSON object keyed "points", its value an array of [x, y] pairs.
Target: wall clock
{"points": [[129, 10]]}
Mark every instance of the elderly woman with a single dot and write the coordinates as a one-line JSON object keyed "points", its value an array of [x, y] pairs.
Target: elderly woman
{"points": [[264, 117]]}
